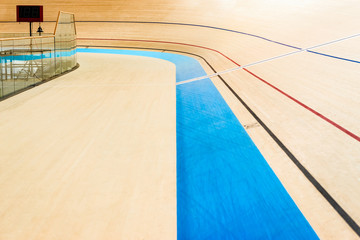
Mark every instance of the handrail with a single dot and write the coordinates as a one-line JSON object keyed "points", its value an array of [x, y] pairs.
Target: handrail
{"points": [[57, 22]]}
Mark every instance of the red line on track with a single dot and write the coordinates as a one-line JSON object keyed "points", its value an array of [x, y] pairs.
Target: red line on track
{"points": [[251, 73], [307, 107]]}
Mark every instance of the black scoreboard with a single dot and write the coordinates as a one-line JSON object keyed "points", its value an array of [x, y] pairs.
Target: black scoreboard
{"points": [[29, 13]]}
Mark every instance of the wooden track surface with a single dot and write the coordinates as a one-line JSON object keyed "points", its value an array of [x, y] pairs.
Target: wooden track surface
{"points": [[78, 172], [328, 85]]}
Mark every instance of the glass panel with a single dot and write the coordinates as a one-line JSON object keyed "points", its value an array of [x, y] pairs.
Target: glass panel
{"points": [[30, 60], [8, 83], [65, 37]]}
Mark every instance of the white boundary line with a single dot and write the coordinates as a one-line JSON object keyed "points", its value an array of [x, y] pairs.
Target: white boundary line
{"points": [[267, 60]]}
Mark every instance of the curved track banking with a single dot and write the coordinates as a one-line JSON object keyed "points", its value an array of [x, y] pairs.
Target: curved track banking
{"points": [[217, 28], [349, 133], [229, 30]]}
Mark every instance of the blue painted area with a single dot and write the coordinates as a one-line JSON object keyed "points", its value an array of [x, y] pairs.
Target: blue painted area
{"points": [[225, 188], [31, 57]]}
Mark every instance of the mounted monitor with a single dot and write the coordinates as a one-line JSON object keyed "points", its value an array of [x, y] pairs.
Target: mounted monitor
{"points": [[29, 13]]}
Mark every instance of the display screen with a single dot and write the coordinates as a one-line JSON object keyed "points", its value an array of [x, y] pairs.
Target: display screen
{"points": [[29, 13]]}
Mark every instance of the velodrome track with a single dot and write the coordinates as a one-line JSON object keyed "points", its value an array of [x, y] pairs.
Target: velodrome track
{"points": [[318, 124]]}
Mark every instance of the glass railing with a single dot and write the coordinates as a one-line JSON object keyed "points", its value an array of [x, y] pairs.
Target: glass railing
{"points": [[27, 61]]}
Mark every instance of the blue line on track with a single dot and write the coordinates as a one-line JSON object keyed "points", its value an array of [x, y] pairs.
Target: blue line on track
{"points": [[225, 188], [331, 56]]}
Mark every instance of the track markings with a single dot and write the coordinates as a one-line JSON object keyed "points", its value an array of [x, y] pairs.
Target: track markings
{"points": [[354, 136], [268, 59]]}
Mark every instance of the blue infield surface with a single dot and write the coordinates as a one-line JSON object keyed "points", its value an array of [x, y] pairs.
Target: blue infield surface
{"points": [[225, 188]]}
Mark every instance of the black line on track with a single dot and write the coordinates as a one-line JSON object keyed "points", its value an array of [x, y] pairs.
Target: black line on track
{"points": [[345, 216]]}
